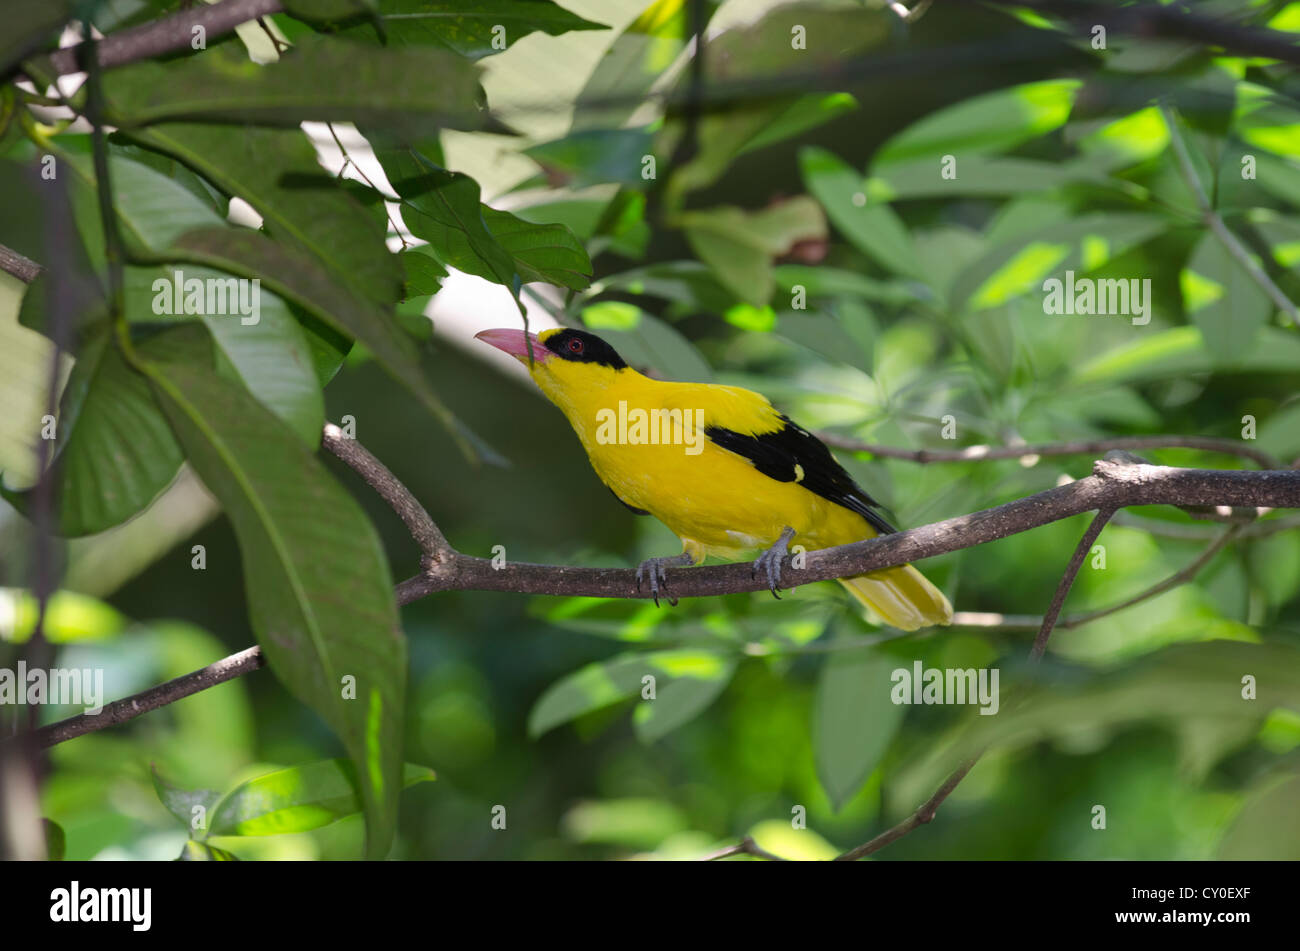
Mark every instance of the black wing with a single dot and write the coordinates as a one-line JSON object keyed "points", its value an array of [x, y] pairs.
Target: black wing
{"points": [[792, 454]]}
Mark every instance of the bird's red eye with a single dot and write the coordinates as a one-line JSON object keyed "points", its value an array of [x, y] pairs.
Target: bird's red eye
{"points": [[575, 345]]}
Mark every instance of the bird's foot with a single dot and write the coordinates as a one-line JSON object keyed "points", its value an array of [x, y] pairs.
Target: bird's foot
{"points": [[652, 569], [770, 561]]}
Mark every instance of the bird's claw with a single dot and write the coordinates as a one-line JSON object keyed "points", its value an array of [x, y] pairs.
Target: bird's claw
{"points": [[653, 568], [770, 562]]}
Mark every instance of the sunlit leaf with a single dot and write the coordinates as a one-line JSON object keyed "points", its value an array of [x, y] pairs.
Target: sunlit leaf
{"points": [[297, 799]]}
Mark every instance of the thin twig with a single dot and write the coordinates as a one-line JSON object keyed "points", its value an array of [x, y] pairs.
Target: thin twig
{"points": [[746, 846], [1067, 582], [1215, 222], [168, 34], [1074, 447], [1029, 622], [433, 544], [23, 268], [919, 818]]}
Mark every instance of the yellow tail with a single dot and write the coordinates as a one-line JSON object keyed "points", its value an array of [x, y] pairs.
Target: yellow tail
{"points": [[901, 597]]}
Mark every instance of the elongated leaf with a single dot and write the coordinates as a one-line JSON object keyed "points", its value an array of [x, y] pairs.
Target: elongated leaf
{"points": [[601, 684], [298, 798], [873, 228], [315, 574], [181, 803], [202, 852], [275, 171], [1223, 300], [1181, 351], [1020, 265], [595, 156], [468, 29], [973, 175], [114, 450], [319, 79], [993, 122], [855, 720], [264, 347], [299, 278], [444, 209], [632, 64], [739, 246], [678, 702], [29, 24]]}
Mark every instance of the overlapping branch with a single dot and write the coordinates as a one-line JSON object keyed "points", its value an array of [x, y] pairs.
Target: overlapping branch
{"points": [[1112, 485]]}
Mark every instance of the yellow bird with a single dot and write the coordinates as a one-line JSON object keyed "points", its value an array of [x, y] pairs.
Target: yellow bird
{"points": [[719, 465]]}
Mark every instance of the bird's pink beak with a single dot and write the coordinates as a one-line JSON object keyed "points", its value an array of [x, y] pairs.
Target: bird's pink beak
{"points": [[516, 343]]}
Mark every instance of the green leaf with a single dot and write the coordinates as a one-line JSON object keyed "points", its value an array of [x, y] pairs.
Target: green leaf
{"points": [[56, 841], [444, 209], [202, 852], [601, 684], [467, 29], [1223, 300], [193, 808], [30, 25], [298, 798], [275, 171], [1181, 352], [993, 122], [550, 253], [872, 227], [1185, 681], [764, 49], [318, 586], [970, 175], [632, 64], [1020, 265], [739, 246], [1268, 826], [300, 279], [320, 79], [114, 450], [678, 702], [424, 274], [70, 618], [595, 156], [272, 358], [854, 722]]}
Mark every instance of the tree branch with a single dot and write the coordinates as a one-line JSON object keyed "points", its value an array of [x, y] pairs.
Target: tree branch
{"points": [[1067, 582], [433, 545], [120, 711], [23, 268], [746, 846], [1076, 447], [168, 34], [1112, 486]]}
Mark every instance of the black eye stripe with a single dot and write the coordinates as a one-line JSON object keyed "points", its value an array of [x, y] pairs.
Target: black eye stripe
{"points": [[579, 346]]}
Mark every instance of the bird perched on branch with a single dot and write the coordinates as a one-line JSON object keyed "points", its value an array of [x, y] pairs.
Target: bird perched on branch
{"points": [[719, 465]]}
